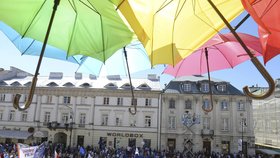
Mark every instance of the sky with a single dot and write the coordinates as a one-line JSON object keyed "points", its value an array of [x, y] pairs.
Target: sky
{"points": [[241, 75]]}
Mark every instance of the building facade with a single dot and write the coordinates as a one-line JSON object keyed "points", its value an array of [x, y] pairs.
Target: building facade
{"points": [[267, 118], [85, 110], [188, 128]]}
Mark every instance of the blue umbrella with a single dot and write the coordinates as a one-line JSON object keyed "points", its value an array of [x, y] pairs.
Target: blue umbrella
{"points": [[115, 65]]}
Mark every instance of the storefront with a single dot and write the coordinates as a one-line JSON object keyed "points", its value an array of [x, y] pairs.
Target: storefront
{"points": [[125, 139]]}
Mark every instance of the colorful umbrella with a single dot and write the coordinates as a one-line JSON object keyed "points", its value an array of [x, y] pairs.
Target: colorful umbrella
{"points": [[266, 15], [135, 55], [220, 52], [171, 30], [92, 28], [254, 60], [224, 51]]}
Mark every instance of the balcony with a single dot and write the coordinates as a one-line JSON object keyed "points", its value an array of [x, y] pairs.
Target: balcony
{"points": [[207, 133]]}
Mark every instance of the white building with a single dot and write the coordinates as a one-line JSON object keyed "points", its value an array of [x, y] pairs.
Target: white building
{"points": [[86, 110], [219, 130], [80, 110], [267, 119]]}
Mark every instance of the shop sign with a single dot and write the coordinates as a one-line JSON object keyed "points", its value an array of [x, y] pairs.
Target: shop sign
{"points": [[134, 135]]}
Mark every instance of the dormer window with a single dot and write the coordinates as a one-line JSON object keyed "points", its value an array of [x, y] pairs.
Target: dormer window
{"points": [[85, 85], [144, 86], [111, 86], [52, 84], [222, 87], [187, 87], [68, 84], [28, 84], [16, 83], [3, 83], [126, 86], [205, 87]]}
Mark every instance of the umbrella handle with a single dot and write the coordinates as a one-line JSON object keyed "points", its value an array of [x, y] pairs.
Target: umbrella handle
{"points": [[29, 99], [135, 110], [254, 60], [34, 81], [266, 76]]}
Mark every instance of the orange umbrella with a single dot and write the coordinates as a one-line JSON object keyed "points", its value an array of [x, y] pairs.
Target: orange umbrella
{"points": [[266, 14]]}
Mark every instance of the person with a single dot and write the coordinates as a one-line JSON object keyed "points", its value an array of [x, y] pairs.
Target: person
{"points": [[82, 151]]}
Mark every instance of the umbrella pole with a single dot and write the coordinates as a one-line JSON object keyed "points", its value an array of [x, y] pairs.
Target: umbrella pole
{"points": [[132, 92], [209, 83], [254, 60], [34, 80]]}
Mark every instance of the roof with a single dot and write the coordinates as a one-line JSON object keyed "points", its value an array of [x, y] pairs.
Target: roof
{"points": [[175, 86], [15, 134]]}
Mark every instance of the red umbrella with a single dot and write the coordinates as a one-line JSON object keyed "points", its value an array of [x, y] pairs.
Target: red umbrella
{"points": [[266, 14], [220, 52]]}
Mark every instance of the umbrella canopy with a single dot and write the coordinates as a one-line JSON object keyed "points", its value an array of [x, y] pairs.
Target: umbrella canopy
{"points": [[224, 51], [171, 30], [135, 56], [92, 28], [266, 15], [29, 46]]}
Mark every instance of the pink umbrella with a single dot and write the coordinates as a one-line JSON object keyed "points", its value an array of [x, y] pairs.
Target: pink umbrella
{"points": [[224, 51], [220, 52]]}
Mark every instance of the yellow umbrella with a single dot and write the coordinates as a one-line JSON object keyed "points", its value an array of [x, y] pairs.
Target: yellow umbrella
{"points": [[171, 30]]}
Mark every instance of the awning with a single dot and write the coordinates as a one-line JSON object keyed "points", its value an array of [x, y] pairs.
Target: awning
{"points": [[40, 134], [269, 151], [15, 134]]}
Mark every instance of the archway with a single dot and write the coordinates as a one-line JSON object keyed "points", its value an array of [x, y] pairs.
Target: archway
{"points": [[60, 138]]}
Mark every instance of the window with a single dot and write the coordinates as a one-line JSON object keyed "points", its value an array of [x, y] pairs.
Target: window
{"points": [[2, 97], [205, 87], [24, 116], [188, 104], [118, 121], [132, 120], [148, 102], [47, 117], [64, 118], [66, 100], [104, 119], [49, 99], [147, 143], [222, 87], [206, 104], [172, 122], [224, 105], [172, 104], [106, 101], [1, 115], [240, 105], [134, 101], [243, 125], [206, 123], [148, 121], [12, 115], [82, 118], [187, 87], [225, 124], [120, 101]]}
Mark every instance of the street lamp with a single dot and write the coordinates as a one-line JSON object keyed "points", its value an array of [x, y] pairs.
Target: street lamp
{"points": [[243, 123]]}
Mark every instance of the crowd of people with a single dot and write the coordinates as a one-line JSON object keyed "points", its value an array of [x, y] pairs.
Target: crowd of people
{"points": [[60, 151]]}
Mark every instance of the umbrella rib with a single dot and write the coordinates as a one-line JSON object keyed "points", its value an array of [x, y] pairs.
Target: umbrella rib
{"points": [[33, 19], [215, 46], [28, 47]]}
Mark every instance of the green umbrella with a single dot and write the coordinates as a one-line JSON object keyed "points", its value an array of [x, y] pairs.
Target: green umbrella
{"points": [[86, 27]]}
